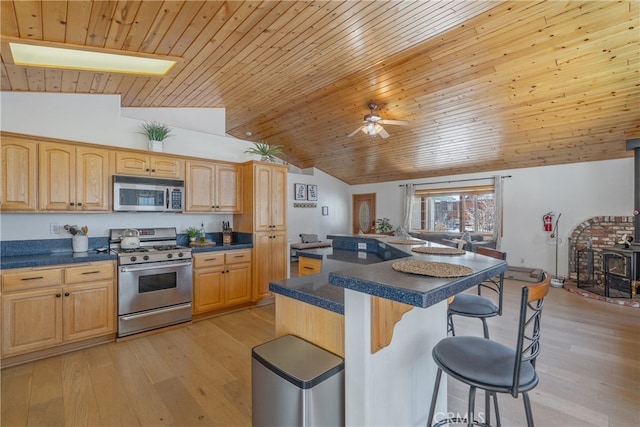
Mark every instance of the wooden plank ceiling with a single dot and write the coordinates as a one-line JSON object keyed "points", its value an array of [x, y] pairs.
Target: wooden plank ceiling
{"points": [[484, 85]]}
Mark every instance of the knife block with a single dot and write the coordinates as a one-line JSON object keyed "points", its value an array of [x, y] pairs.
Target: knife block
{"points": [[227, 237]]}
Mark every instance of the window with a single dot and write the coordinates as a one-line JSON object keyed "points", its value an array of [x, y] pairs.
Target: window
{"points": [[455, 210]]}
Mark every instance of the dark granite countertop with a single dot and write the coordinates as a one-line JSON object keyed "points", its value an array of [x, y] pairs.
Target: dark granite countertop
{"points": [[216, 248], [38, 253], [368, 270], [56, 258], [315, 289]]}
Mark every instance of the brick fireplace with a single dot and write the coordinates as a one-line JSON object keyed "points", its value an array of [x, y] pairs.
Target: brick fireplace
{"points": [[600, 233]]}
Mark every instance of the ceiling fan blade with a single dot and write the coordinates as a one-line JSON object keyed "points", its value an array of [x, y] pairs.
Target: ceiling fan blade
{"points": [[394, 122], [380, 130], [361, 128]]}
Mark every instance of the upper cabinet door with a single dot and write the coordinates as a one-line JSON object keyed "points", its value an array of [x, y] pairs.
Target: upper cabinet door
{"points": [[199, 195], [262, 198], [132, 163], [57, 169], [167, 167], [270, 194], [18, 189], [279, 198], [228, 188], [92, 179], [142, 164]]}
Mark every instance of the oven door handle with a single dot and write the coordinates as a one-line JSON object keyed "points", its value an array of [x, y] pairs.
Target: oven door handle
{"points": [[153, 313], [155, 267]]}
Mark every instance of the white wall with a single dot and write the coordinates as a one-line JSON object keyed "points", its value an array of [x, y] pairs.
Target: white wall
{"points": [[332, 193], [196, 132], [578, 191]]}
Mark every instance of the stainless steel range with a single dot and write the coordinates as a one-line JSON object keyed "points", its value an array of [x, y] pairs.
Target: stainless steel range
{"points": [[154, 279]]}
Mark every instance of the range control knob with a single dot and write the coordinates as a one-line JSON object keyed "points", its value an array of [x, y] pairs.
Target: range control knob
{"points": [[146, 257], [169, 255], [133, 259], [180, 254]]}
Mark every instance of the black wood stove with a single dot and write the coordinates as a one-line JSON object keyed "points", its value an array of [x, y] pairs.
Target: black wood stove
{"points": [[621, 264]]}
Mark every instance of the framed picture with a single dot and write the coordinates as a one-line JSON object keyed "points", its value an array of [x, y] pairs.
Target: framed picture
{"points": [[325, 210], [312, 192], [300, 191]]}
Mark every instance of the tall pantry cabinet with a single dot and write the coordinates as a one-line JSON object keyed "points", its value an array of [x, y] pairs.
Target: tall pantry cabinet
{"points": [[265, 215]]}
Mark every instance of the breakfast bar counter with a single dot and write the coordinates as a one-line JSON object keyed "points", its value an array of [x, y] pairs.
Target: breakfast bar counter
{"points": [[389, 323]]}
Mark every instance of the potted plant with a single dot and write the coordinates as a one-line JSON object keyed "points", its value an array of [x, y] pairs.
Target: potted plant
{"points": [[265, 151], [192, 232], [383, 225], [156, 133]]}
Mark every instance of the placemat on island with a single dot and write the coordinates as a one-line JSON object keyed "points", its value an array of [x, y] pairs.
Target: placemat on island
{"points": [[434, 269], [438, 251], [406, 242]]}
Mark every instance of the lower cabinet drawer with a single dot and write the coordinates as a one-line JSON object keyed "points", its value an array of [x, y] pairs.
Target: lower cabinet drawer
{"points": [[88, 273], [30, 278], [308, 266]]}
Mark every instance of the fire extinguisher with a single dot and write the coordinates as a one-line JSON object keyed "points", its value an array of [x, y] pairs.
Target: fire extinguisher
{"points": [[547, 220]]}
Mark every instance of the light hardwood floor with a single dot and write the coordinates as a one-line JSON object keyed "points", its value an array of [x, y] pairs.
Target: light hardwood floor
{"points": [[200, 374]]}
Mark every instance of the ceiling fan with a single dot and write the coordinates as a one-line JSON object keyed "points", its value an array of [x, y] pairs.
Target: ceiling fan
{"points": [[372, 124]]}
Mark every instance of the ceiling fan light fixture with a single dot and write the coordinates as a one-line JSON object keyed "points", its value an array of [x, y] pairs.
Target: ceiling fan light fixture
{"points": [[371, 128]]}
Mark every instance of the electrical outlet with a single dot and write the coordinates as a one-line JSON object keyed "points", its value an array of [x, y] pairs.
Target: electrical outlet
{"points": [[521, 260], [54, 228], [362, 246]]}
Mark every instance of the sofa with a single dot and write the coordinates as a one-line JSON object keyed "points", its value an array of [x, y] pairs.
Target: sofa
{"points": [[307, 241], [443, 238]]}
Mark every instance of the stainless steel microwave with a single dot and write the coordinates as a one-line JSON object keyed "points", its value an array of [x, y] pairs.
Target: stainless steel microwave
{"points": [[143, 194]]}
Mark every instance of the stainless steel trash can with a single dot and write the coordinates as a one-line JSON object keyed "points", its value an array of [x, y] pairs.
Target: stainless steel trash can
{"points": [[296, 383]]}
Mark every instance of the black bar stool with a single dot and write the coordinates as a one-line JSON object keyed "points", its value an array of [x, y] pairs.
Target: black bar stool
{"points": [[493, 367], [479, 306]]}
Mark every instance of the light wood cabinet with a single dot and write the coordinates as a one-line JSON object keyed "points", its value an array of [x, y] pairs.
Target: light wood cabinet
{"points": [[270, 249], [213, 187], [265, 214], [221, 279], [47, 307], [270, 194], [130, 163], [73, 178], [19, 175], [308, 266]]}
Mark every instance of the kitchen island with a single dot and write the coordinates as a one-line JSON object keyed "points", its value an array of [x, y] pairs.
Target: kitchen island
{"points": [[390, 321]]}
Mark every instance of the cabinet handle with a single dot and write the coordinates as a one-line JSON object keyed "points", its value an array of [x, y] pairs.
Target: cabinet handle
{"points": [[32, 278], [153, 170], [79, 203], [72, 204], [211, 259], [308, 268], [58, 295], [66, 294], [91, 272], [147, 169]]}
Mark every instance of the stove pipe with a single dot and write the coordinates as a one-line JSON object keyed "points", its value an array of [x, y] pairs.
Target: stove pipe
{"points": [[634, 144]]}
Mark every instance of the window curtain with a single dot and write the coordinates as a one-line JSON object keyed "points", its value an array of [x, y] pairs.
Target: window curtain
{"points": [[409, 193], [497, 228]]}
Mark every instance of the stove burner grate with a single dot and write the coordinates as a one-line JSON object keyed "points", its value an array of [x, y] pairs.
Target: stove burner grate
{"points": [[166, 247], [132, 250]]}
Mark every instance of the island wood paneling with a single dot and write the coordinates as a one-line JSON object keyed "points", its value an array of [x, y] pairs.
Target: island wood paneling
{"points": [[484, 86]]}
